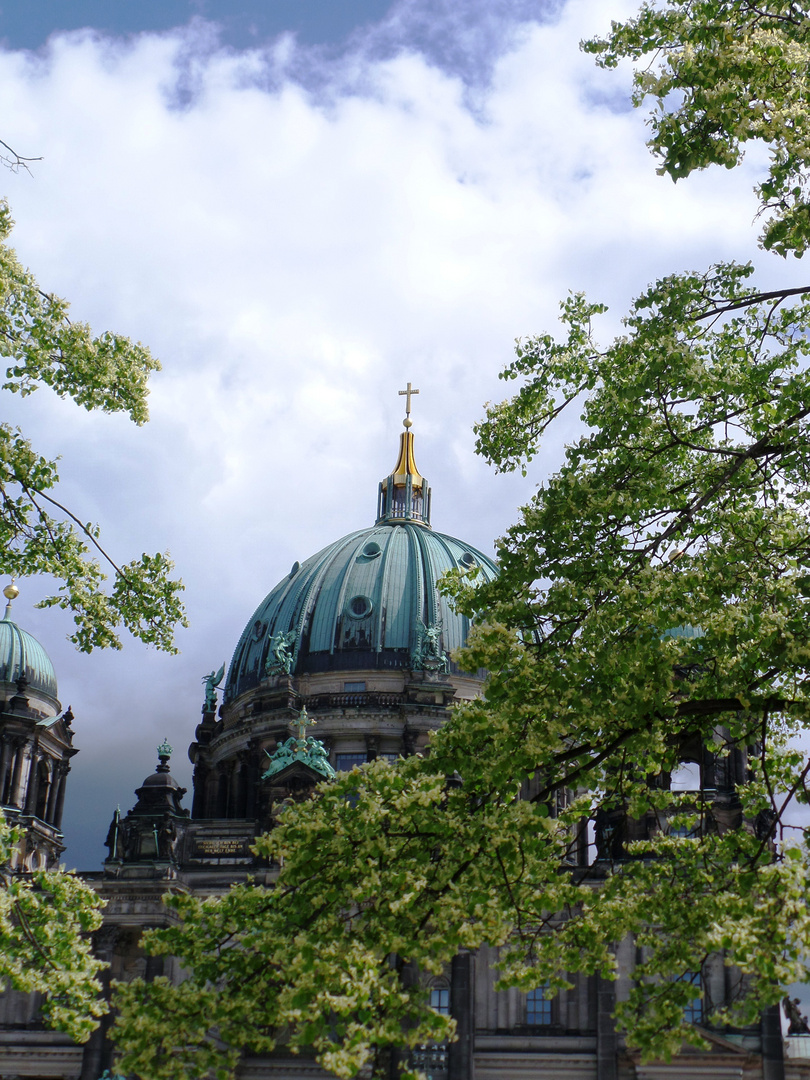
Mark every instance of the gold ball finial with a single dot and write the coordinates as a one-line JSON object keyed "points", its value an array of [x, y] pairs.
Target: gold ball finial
{"points": [[407, 422], [11, 592]]}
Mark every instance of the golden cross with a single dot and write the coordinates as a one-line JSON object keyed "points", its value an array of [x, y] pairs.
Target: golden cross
{"points": [[407, 395], [301, 723]]}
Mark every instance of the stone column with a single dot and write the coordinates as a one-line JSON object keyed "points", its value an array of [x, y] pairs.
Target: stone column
{"points": [[60, 798], [773, 1047], [606, 1041], [5, 755], [53, 793], [462, 1008], [372, 747], [16, 778], [252, 779], [242, 782], [199, 783], [398, 1056], [233, 782], [97, 1054], [33, 783]]}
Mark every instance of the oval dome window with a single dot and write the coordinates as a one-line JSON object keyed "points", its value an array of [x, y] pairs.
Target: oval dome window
{"points": [[372, 550], [359, 607], [468, 560]]}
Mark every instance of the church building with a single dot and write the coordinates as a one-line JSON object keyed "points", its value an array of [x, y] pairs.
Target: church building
{"points": [[347, 659]]}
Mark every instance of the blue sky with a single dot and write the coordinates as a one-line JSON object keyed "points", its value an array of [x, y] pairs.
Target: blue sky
{"points": [[298, 222], [28, 25]]}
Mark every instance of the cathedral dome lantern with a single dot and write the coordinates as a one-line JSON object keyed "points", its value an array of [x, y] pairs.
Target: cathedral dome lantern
{"points": [[404, 495]]}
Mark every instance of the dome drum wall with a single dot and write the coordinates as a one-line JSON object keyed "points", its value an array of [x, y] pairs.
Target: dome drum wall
{"points": [[228, 769]]}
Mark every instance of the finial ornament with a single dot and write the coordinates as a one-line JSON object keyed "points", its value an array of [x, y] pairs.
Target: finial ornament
{"points": [[164, 753], [11, 592], [300, 724], [408, 394]]}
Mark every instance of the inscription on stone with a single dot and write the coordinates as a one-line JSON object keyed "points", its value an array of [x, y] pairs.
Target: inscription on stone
{"points": [[226, 846]]}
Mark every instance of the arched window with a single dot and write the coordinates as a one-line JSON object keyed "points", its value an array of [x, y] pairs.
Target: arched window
{"points": [[440, 997]]}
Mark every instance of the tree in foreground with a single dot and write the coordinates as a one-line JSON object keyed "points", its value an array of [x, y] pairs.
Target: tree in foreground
{"points": [[655, 595], [38, 535], [45, 916]]}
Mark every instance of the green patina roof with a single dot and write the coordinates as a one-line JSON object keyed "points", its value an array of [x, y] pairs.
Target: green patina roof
{"points": [[22, 656], [360, 603]]}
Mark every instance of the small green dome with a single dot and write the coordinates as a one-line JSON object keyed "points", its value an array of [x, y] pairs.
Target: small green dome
{"points": [[364, 602], [22, 656]]}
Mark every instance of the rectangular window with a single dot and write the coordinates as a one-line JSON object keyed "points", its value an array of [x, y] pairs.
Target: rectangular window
{"points": [[390, 758], [538, 1007], [440, 1000], [693, 1012], [354, 688], [345, 762]]}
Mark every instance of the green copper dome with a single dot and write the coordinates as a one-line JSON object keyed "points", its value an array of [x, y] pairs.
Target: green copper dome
{"points": [[368, 601], [365, 601], [22, 656]]}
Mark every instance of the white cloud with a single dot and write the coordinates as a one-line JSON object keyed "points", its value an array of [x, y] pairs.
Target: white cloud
{"points": [[294, 257]]}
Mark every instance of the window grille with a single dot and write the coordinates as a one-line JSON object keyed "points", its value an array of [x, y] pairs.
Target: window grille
{"points": [[538, 1007], [693, 1012], [431, 1060]]}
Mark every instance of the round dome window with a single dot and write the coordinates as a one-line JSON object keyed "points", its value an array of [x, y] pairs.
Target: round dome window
{"points": [[468, 560], [372, 550], [359, 607]]}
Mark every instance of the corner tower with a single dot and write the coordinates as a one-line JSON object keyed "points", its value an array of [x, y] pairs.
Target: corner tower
{"points": [[359, 635], [36, 744]]}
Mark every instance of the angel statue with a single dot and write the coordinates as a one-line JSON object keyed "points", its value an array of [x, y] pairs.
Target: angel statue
{"points": [[212, 682], [280, 653]]}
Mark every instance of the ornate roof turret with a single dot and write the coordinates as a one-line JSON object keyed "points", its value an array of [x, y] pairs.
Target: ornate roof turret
{"points": [[151, 832], [404, 495], [160, 792]]}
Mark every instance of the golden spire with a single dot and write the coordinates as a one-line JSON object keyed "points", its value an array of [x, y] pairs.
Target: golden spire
{"points": [[406, 462]]}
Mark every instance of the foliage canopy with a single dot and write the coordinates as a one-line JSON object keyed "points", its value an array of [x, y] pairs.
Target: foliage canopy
{"points": [[46, 916], [723, 73], [45, 920], [42, 347], [653, 604]]}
